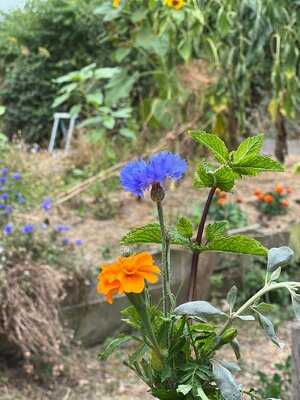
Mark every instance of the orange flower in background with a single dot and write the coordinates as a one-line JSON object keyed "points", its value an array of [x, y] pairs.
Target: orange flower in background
{"points": [[289, 190], [258, 194], [127, 275], [268, 198], [285, 203], [221, 201], [279, 189], [116, 3], [177, 4]]}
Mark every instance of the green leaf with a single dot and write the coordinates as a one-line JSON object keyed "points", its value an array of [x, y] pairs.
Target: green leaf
{"points": [[200, 393], [224, 178], [185, 227], [113, 345], [229, 389], [120, 86], [279, 257], [122, 113], [60, 100], [198, 308], [256, 165], [238, 244], [268, 327], [75, 110], [96, 99], [184, 389], [213, 143], [216, 230], [246, 317], [2, 110], [204, 176], [249, 148], [106, 73], [236, 348], [138, 354], [147, 234], [231, 297], [108, 121], [127, 133], [264, 308]]}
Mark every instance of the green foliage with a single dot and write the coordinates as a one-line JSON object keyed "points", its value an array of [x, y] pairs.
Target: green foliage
{"points": [[231, 212], [274, 202]]}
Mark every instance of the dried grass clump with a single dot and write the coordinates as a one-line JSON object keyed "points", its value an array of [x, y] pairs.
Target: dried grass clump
{"points": [[29, 320]]}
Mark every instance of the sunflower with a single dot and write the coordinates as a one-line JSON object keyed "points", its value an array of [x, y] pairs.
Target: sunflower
{"points": [[127, 275], [116, 3]]}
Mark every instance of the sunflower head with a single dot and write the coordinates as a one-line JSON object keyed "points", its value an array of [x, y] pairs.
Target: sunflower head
{"points": [[116, 3]]}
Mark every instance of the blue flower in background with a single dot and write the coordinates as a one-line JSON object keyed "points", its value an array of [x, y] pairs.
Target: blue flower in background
{"points": [[62, 228], [4, 171], [65, 241], [138, 176], [27, 229], [78, 242], [20, 198], [8, 229], [8, 210], [4, 197], [134, 178], [16, 176], [47, 204], [3, 179]]}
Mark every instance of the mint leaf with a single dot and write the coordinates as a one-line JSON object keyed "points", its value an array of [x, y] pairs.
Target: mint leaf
{"points": [[213, 143], [185, 227], [224, 178], [249, 148], [216, 230], [238, 244], [146, 234], [256, 165], [204, 176]]}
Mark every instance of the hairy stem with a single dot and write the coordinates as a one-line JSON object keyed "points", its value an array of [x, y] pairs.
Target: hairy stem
{"points": [[195, 259], [167, 293]]}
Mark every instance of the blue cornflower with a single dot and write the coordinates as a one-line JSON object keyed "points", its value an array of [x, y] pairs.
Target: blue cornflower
{"points": [[134, 177], [8, 229], [8, 210], [3, 180], [4, 171], [78, 242], [4, 197], [138, 176], [65, 241], [62, 228], [16, 176], [27, 229], [46, 204]]}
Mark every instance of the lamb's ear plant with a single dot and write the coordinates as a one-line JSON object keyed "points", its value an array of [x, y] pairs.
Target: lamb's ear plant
{"points": [[177, 346]]}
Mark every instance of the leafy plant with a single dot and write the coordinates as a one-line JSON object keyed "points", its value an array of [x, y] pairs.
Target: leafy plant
{"points": [[178, 345], [273, 202]]}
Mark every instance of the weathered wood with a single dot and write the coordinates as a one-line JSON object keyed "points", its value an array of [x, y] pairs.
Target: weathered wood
{"points": [[296, 361]]}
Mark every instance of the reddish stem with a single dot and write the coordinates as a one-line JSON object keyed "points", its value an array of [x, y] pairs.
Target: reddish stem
{"points": [[195, 259]]}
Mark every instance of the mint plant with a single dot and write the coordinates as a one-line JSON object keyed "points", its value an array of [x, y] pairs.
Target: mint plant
{"points": [[177, 346]]}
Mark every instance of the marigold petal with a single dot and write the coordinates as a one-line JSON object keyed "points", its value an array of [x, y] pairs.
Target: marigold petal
{"points": [[151, 278], [133, 283]]}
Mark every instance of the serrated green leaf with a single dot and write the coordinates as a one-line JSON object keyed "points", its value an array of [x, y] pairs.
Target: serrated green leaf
{"points": [[256, 165], [216, 230], [113, 345], [184, 389], [204, 176], [249, 148], [224, 177], [146, 234], [213, 143], [198, 308], [231, 297], [268, 327], [229, 389], [185, 227], [238, 244]]}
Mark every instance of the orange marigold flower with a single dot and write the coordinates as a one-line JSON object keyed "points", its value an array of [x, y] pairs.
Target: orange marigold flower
{"points": [[127, 275], [285, 203], [221, 201], [177, 4], [268, 198], [116, 3], [279, 189], [258, 192], [289, 190]]}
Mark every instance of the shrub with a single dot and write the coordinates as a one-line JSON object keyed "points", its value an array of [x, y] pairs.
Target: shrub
{"points": [[274, 202]]}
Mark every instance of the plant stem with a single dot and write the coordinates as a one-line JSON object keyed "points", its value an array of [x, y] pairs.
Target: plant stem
{"points": [[167, 293], [195, 259]]}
